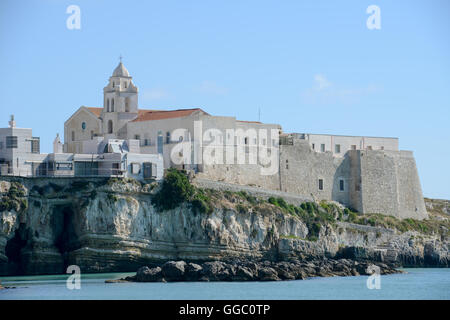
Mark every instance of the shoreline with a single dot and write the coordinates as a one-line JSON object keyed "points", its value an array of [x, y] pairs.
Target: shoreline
{"points": [[244, 270]]}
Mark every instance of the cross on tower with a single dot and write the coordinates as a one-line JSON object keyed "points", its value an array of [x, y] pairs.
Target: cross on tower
{"points": [[120, 58]]}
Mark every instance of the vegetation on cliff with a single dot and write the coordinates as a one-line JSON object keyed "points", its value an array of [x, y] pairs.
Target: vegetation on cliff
{"points": [[14, 199], [177, 189]]}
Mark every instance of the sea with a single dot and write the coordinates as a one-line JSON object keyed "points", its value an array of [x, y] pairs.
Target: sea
{"points": [[416, 283]]}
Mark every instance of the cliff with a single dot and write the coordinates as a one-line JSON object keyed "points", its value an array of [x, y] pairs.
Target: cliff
{"points": [[106, 225]]}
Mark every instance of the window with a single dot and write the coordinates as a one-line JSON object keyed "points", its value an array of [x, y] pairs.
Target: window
{"points": [[11, 142], [135, 168], [264, 142], [337, 148], [322, 147], [137, 137], [320, 184], [110, 126], [112, 105], [107, 105], [245, 140], [313, 146], [168, 137], [127, 103], [341, 185], [382, 148], [73, 135], [114, 84], [63, 166], [353, 146], [92, 134], [160, 142], [83, 126], [1, 145], [35, 145], [125, 84], [287, 164], [146, 142]]}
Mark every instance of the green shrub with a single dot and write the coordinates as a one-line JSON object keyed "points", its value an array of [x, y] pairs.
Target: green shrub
{"points": [[112, 197], [175, 190], [15, 198], [241, 208], [202, 203]]}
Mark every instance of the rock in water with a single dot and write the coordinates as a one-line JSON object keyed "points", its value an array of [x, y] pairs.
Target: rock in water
{"points": [[145, 274], [193, 271], [268, 274], [173, 270]]}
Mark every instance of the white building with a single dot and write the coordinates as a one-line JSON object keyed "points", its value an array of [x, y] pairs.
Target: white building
{"points": [[19, 151], [120, 118], [20, 156]]}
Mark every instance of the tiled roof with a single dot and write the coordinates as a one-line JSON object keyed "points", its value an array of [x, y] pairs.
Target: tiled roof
{"points": [[98, 111], [159, 115]]}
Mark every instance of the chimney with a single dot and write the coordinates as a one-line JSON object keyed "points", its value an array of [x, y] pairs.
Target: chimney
{"points": [[12, 123]]}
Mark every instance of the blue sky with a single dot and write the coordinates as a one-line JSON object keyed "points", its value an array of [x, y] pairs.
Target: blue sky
{"points": [[309, 66]]}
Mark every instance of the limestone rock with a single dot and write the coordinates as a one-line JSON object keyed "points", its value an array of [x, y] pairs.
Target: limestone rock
{"points": [[145, 274], [173, 270]]}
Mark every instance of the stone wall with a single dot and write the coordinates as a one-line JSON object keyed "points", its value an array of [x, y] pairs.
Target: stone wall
{"points": [[373, 181], [390, 183]]}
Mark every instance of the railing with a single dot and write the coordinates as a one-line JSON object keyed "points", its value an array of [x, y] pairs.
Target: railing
{"points": [[65, 173]]}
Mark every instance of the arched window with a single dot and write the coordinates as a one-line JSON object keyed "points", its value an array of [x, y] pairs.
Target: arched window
{"points": [[73, 135], [110, 126], [127, 104], [168, 137], [114, 84], [107, 105], [112, 105], [160, 142], [125, 85]]}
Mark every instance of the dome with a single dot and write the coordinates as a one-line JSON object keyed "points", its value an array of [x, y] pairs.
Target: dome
{"points": [[120, 71]]}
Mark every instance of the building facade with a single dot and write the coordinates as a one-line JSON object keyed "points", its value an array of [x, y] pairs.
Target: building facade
{"points": [[369, 174]]}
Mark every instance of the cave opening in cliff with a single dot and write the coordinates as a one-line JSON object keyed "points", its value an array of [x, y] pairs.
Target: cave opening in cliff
{"points": [[63, 229], [15, 245]]}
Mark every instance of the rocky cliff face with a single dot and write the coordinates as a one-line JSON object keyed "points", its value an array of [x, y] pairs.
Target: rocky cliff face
{"points": [[112, 225]]}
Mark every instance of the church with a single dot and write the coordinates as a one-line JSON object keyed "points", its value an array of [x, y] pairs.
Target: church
{"points": [[121, 118], [368, 174]]}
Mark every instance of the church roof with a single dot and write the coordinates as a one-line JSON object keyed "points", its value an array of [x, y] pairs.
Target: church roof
{"points": [[98, 111], [120, 71], [160, 114]]}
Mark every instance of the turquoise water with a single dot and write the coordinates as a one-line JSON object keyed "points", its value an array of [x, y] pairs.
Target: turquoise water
{"points": [[416, 284]]}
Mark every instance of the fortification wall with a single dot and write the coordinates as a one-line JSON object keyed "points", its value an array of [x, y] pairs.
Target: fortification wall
{"points": [[373, 181], [390, 184], [411, 201], [253, 191], [243, 174], [301, 168]]}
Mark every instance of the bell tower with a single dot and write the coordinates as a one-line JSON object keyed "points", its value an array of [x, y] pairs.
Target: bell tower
{"points": [[120, 102]]}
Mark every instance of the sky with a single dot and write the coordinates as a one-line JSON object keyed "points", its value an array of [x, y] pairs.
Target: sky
{"points": [[310, 66]]}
